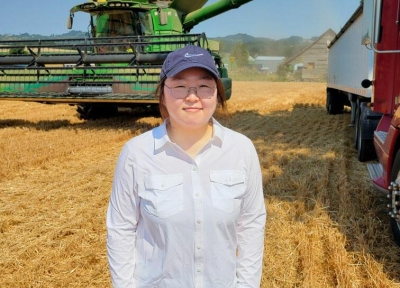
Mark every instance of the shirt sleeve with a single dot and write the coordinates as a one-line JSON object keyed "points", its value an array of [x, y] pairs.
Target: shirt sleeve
{"points": [[122, 219], [251, 227]]}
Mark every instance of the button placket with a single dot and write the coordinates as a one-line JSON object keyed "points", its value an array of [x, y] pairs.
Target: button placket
{"points": [[198, 214]]}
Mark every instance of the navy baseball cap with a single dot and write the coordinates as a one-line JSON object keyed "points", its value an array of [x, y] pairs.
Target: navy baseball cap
{"points": [[188, 57]]}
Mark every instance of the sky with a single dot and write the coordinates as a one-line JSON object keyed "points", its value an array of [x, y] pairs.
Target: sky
{"points": [[275, 19]]}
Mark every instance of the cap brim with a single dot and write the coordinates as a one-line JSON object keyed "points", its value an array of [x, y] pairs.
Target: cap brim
{"points": [[179, 68]]}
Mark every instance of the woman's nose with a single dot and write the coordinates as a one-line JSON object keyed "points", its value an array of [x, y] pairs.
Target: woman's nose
{"points": [[192, 96]]}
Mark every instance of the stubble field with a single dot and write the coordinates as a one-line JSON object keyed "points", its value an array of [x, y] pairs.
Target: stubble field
{"points": [[326, 226]]}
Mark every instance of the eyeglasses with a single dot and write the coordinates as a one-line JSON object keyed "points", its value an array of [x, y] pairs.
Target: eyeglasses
{"points": [[202, 91]]}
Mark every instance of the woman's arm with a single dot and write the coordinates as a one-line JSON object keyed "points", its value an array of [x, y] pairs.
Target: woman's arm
{"points": [[250, 229], [122, 218]]}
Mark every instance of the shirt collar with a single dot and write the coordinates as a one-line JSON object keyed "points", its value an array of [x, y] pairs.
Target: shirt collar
{"points": [[218, 132], [161, 138]]}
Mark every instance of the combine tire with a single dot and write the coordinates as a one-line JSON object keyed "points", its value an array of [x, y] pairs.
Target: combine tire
{"points": [[92, 112]]}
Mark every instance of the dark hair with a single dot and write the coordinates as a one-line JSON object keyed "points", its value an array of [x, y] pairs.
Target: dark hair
{"points": [[160, 95]]}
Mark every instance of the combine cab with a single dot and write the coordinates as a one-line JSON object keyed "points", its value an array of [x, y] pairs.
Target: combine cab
{"points": [[118, 65]]}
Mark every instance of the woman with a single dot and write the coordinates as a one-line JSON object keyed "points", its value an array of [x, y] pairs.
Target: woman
{"points": [[187, 207]]}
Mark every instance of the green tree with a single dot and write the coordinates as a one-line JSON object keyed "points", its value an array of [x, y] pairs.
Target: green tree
{"points": [[240, 54], [282, 72], [19, 50]]}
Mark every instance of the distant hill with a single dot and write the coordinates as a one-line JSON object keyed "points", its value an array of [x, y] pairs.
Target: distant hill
{"points": [[245, 38], [260, 46], [26, 36], [257, 46]]}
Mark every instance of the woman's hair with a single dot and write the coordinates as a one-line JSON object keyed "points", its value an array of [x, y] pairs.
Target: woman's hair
{"points": [[163, 110]]}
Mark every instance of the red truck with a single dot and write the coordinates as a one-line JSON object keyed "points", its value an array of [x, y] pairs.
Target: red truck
{"points": [[364, 74]]}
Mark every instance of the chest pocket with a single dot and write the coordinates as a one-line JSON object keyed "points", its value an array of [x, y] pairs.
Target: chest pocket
{"points": [[227, 189], [163, 195]]}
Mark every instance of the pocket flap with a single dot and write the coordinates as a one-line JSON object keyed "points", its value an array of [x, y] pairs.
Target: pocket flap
{"points": [[162, 182], [228, 178]]}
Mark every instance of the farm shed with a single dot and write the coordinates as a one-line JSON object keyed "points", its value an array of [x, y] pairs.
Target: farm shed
{"points": [[312, 62], [269, 63]]}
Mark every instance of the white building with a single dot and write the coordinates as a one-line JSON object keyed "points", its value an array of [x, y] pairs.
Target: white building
{"points": [[269, 63]]}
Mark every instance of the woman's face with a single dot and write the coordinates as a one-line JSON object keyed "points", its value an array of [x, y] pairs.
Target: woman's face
{"points": [[190, 112]]}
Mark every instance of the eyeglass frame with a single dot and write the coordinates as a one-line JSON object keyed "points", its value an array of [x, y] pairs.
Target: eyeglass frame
{"points": [[189, 89]]}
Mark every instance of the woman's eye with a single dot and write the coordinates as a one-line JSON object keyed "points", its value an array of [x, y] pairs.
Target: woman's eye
{"points": [[204, 86]]}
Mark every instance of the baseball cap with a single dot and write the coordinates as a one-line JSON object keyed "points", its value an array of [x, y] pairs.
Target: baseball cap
{"points": [[188, 57]]}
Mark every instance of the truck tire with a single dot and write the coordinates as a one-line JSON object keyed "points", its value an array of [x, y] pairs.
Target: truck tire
{"points": [[356, 125], [334, 104], [364, 146], [393, 176]]}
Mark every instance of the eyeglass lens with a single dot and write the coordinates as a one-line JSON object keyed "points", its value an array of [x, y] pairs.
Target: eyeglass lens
{"points": [[202, 91]]}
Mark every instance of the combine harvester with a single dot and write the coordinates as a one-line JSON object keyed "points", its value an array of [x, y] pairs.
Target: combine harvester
{"points": [[119, 65], [364, 74]]}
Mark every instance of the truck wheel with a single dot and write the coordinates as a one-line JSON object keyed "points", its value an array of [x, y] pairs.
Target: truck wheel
{"points": [[393, 176], [329, 102], [356, 133], [363, 145], [334, 104]]}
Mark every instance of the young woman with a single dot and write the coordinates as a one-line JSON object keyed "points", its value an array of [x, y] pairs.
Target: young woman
{"points": [[187, 207]]}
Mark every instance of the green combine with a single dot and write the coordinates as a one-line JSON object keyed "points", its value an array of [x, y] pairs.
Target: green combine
{"points": [[118, 65]]}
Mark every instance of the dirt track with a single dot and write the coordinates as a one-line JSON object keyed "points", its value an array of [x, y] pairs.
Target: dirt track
{"points": [[326, 227]]}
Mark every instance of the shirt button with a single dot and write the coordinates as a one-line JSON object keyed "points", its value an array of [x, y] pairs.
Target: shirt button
{"points": [[198, 270], [198, 221], [198, 247], [197, 195], [194, 168]]}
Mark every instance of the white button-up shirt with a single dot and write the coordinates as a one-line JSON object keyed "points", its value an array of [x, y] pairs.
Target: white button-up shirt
{"points": [[178, 222]]}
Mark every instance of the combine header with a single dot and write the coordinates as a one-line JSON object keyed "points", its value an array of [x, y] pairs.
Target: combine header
{"points": [[118, 65]]}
